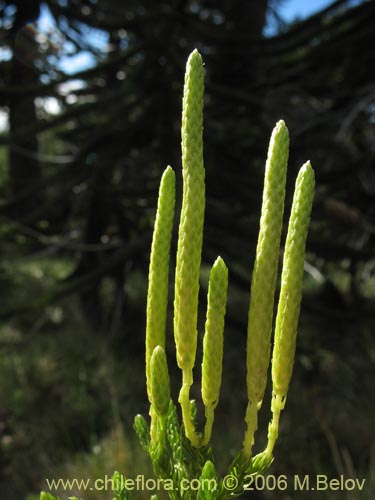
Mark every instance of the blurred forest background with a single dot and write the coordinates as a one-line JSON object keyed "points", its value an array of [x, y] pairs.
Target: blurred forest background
{"points": [[90, 100]]}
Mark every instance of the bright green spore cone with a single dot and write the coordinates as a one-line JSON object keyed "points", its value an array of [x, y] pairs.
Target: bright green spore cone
{"points": [[192, 215], [157, 295], [213, 338], [213, 342], [290, 297], [291, 281], [266, 263], [160, 384], [264, 277]]}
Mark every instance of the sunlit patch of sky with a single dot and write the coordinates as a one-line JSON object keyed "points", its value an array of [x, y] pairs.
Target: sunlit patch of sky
{"points": [[292, 10], [49, 104], [297, 9], [45, 21], [3, 120], [78, 62], [5, 54], [74, 62]]}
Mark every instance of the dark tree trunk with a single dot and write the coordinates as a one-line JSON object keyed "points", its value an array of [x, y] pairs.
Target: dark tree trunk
{"points": [[24, 168], [99, 216]]}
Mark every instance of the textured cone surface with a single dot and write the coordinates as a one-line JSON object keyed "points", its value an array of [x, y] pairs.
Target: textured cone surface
{"points": [[266, 264], [291, 281], [160, 383], [213, 338], [192, 216], [157, 296]]}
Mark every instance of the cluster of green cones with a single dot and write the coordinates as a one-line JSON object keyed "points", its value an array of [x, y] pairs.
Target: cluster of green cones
{"points": [[181, 452]]}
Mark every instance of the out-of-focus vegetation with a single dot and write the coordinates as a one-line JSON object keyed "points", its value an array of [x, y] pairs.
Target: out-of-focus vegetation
{"points": [[80, 164]]}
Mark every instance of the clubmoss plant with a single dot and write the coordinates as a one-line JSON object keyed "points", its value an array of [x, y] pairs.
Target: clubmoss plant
{"points": [[179, 453], [184, 453]]}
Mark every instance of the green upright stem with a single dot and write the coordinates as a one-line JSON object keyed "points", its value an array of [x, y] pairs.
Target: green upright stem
{"points": [[209, 412], [184, 400]]}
